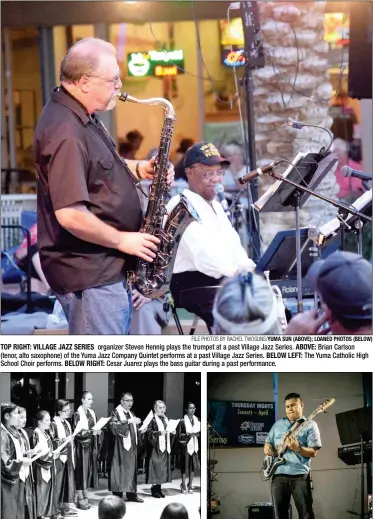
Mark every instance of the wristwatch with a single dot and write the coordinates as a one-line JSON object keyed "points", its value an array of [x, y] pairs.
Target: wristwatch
{"points": [[299, 449]]}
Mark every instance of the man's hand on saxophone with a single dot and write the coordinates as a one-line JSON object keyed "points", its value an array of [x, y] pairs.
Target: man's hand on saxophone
{"points": [[80, 222], [138, 244], [145, 169]]}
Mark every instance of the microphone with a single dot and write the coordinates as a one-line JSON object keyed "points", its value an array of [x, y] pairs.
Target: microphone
{"points": [[257, 172], [219, 191], [350, 172]]}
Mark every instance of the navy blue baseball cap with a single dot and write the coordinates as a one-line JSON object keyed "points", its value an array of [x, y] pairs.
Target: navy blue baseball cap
{"points": [[204, 153], [344, 282]]}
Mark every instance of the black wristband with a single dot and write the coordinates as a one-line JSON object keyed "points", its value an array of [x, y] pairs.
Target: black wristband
{"points": [[138, 171]]}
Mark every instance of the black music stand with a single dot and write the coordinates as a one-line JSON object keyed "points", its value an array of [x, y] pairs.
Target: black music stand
{"points": [[308, 169], [291, 191], [356, 427], [280, 257], [351, 223]]}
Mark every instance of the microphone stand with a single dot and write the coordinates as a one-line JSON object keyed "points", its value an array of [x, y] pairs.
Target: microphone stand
{"points": [[296, 204]]}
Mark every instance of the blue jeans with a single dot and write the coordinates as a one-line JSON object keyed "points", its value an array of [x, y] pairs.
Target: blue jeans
{"points": [[104, 310]]}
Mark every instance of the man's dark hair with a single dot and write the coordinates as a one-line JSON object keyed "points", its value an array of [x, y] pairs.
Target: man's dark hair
{"points": [[290, 396], [175, 511], [134, 135], [352, 325], [124, 394], [111, 507], [125, 147]]}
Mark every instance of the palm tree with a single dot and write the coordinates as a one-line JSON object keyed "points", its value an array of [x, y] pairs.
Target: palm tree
{"points": [[294, 84]]}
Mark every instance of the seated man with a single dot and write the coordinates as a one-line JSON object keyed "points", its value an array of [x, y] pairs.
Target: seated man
{"points": [[210, 249], [343, 282]]}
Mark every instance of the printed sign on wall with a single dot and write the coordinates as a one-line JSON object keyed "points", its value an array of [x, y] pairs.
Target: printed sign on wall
{"points": [[240, 424], [157, 63]]}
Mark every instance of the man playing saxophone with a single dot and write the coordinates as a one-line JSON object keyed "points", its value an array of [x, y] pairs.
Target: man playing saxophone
{"points": [[89, 212], [292, 479]]}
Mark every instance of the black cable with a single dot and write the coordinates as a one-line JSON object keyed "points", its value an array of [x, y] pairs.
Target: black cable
{"points": [[299, 125]]}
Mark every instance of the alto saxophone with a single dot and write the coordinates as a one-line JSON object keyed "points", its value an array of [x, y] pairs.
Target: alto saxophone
{"points": [[152, 279]]}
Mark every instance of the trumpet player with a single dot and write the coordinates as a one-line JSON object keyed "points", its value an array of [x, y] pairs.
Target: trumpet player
{"points": [[89, 212], [292, 479]]}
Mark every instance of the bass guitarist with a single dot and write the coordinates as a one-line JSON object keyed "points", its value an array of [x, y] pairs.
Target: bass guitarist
{"points": [[292, 478]]}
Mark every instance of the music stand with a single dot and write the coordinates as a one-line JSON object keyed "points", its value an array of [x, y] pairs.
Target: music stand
{"points": [[356, 427], [280, 257], [350, 223]]}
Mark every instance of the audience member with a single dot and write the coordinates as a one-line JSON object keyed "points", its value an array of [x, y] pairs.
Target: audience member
{"points": [[343, 282], [111, 507], [246, 304], [135, 138], [235, 154], [174, 511], [344, 117], [181, 150], [38, 280], [126, 150], [153, 152], [350, 188], [178, 160]]}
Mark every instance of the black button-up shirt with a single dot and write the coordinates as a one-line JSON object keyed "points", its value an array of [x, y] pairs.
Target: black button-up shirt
{"points": [[77, 162]]}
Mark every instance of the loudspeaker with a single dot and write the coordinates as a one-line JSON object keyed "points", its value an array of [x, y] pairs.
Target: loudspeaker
{"points": [[360, 51]]}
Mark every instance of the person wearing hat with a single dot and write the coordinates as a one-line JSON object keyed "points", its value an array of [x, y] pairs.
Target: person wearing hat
{"points": [[210, 249], [343, 282]]}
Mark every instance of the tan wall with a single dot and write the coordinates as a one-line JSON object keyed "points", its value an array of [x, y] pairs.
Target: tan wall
{"points": [[239, 482], [26, 76]]}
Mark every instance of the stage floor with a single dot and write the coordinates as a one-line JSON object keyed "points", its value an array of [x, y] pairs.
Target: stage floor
{"points": [[151, 508]]}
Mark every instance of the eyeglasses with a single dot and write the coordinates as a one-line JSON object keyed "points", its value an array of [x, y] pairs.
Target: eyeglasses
{"points": [[114, 81], [125, 400], [208, 175]]}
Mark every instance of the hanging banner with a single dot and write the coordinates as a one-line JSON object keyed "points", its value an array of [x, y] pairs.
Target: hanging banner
{"points": [[240, 424]]}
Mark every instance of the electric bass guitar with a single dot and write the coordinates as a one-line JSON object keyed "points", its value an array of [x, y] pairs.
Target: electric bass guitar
{"points": [[271, 463]]}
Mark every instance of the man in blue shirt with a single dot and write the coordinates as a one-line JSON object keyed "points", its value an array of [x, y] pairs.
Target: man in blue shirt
{"points": [[291, 479]]}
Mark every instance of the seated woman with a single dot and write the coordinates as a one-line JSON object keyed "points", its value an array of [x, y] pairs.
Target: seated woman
{"points": [[246, 304], [38, 281]]}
